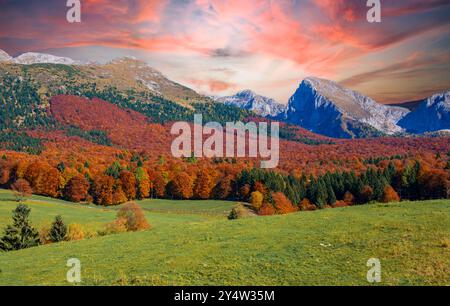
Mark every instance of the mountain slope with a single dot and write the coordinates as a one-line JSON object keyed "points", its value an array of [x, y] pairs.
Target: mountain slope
{"points": [[432, 114], [326, 108], [4, 57], [249, 100]]}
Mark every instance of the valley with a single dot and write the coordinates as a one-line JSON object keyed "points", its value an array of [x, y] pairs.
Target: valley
{"points": [[192, 243]]}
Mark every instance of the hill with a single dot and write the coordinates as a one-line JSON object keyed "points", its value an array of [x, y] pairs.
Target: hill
{"points": [[328, 247]]}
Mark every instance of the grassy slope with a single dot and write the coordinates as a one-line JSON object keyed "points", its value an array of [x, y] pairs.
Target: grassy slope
{"points": [[329, 247]]}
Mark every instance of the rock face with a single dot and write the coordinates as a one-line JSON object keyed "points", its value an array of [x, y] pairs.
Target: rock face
{"points": [[260, 105], [4, 57], [432, 114], [326, 108], [42, 58]]}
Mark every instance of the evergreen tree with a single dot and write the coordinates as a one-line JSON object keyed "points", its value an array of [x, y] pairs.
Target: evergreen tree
{"points": [[21, 234], [58, 231]]}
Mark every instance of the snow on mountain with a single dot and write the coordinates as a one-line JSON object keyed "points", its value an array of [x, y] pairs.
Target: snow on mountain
{"points": [[42, 58], [432, 114], [249, 100], [324, 107], [4, 57]]}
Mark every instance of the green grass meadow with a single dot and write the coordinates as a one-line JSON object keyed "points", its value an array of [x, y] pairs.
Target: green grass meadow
{"points": [[193, 243]]}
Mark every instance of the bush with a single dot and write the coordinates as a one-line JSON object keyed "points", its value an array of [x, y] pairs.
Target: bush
{"points": [[58, 231], [75, 232], [44, 235], [134, 216], [240, 211], [118, 226]]}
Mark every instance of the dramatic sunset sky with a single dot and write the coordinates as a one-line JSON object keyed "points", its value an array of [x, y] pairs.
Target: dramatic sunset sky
{"points": [[221, 46]]}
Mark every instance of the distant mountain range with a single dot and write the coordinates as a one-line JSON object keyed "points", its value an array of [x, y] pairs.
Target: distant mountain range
{"points": [[260, 105], [324, 107], [318, 105]]}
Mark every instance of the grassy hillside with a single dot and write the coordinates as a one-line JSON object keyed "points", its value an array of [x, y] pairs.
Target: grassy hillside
{"points": [[191, 244]]}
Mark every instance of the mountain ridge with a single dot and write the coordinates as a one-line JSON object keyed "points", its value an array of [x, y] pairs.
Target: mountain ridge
{"points": [[249, 100]]}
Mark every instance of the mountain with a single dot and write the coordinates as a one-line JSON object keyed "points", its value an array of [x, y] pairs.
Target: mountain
{"points": [[4, 57], [432, 114], [260, 105], [129, 72], [42, 58], [326, 108], [128, 75]]}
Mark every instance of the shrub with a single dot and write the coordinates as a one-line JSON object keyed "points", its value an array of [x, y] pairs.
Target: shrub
{"points": [[116, 227], [238, 212], [134, 217], [58, 231], [19, 235], [75, 232]]}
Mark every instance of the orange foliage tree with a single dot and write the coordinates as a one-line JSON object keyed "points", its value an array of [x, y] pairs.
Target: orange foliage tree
{"points": [[102, 189], [128, 183], [21, 189], [390, 195], [282, 204], [181, 186]]}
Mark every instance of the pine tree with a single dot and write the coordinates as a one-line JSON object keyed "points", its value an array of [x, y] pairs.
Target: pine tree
{"points": [[58, 231], [21, 234]]}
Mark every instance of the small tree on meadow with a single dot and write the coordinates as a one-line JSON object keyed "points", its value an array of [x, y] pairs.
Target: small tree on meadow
{"points": [[22, 190], [19, 235], [58, 231]]}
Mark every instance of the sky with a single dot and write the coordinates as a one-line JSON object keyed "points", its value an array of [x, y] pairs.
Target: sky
{"points": [[219, 47]]}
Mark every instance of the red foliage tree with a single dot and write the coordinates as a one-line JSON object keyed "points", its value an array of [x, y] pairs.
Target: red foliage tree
{"points": [[77, 189]]}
